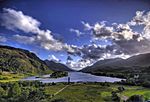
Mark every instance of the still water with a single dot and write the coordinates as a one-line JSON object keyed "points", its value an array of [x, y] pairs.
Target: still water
{"points": [[74, 77]]}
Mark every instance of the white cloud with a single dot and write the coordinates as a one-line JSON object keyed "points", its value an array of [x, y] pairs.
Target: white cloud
{"points": [[16, 20], [116, 32], [79, 64], [87, 26], [76, 31], [125, 42], [111, 56], [124, 30], [24, 39], [142, 18], [85, 62], [100, 30], [53, 58]]}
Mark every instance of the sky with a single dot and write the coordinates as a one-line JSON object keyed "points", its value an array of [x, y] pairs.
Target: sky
{"points": [[76, 32]]}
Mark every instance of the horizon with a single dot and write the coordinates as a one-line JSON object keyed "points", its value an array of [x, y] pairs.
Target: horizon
{"points": [[77, 33]]}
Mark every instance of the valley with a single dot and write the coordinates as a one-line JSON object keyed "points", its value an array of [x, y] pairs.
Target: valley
{"points": [[75, 51], [34, 85]]}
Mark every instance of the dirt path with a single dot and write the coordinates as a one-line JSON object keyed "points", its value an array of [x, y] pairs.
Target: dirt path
{"points": [[60, 90], [124, 97]]}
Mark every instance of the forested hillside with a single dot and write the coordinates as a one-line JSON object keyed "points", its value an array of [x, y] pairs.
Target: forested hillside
{"points": [[19, 60]]}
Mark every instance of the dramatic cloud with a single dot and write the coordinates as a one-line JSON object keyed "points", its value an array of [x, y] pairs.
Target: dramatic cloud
{"points": [[97, 52], [16, 20], [111, 40], [100, 30], [143, 19], [114, 32], [123, 31], [123, 38], [92, 51], [79, 64]]}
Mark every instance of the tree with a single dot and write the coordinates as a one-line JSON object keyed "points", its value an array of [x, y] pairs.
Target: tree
{"points": [[115, 97], [14, 90], [121, 89], [2, 92], [36, 96], [24, 96]]}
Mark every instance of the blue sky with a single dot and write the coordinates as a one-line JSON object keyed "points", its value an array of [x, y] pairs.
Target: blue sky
{"points": [[59, 16]]}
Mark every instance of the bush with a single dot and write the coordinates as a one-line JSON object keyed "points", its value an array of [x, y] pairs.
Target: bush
{"points": [[146, 84], [14, 90], [2, 92], [136, 98], [58, 74], [36, 96], [121, 89], [115, 97]]}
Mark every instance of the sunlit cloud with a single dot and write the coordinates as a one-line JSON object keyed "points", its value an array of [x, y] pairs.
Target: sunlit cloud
{"points": [[17, 20], [120, 40]]}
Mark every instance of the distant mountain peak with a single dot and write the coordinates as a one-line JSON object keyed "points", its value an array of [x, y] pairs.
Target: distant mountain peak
{"points": [[57, 66], [140, 60]]}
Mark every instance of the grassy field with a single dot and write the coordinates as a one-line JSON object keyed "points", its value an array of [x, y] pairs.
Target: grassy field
{"points": [[8, 77], [138, 91], [74, 92], [81, 92], [94, 92]]}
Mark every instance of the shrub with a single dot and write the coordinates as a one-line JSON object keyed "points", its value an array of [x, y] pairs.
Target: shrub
{"points": [[136, 98], [14, 90]]}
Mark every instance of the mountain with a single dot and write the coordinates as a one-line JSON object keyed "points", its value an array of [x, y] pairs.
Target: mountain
{"points": [[57, 66], [137, 61], [20, 60]]}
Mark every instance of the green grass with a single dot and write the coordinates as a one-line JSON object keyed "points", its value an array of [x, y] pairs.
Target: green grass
{"points": [[8, 77], [76, 93], [84, 93], [53, 89], [94, 92], [80, 92], [89, 92], [138, 91]]}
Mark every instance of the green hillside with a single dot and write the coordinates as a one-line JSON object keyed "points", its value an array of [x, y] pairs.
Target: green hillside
{"points": [[17, 60]]}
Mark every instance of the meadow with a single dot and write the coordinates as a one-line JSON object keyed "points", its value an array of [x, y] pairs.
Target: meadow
{"points": [[91, 92]]}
